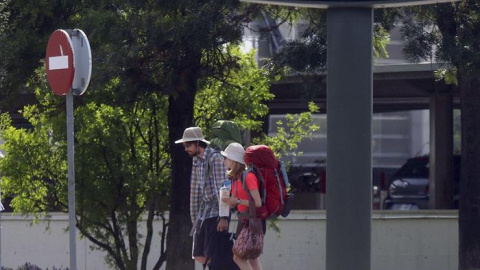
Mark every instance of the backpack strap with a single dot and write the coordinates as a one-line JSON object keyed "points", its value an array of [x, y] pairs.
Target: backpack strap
{"points": [[283, 170], [209, 160], [279, 184], [243, 178], [209, 171], [261, 181]]}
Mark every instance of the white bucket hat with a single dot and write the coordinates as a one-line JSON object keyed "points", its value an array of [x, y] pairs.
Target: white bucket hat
{"points": [[192, 134], [235, 152]]}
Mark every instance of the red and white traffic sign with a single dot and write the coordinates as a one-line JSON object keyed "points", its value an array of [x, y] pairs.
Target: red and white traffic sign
{"points": [[60, 62]]}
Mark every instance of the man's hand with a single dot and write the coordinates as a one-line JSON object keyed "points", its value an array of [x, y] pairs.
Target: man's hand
{"points": [[222, 225]]}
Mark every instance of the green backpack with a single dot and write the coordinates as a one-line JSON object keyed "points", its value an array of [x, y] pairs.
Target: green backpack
{"points": [[224, 132]]}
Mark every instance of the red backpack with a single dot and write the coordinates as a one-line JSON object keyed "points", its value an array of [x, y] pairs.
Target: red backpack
{"points": [[272, 178]]}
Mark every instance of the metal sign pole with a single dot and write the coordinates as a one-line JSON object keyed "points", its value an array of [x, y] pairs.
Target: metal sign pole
{"points": [[71, 182], [69, 68]]}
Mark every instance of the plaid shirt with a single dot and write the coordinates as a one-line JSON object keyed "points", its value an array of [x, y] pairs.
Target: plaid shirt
{"points": [[206, 190]]}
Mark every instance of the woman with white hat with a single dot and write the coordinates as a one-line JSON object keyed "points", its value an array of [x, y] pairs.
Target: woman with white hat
{"points": [[234, 162]]}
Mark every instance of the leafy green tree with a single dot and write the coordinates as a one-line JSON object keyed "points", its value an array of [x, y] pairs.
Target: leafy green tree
{"points": [[453, 29], [297, 127], [240, 96], [122, 172]]}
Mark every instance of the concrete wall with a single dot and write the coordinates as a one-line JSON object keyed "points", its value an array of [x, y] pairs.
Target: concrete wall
{"points": [[422, 240]]}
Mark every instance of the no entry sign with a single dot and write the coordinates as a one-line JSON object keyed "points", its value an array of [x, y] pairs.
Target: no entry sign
{"points": [[60, 62]]}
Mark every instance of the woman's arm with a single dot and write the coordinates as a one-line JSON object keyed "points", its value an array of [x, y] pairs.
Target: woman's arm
{"points": [[256, 198], [232, 201], [252, 185]]}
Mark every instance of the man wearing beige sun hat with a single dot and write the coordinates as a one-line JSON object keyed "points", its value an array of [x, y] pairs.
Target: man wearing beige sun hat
{"points": [[208, 172]]}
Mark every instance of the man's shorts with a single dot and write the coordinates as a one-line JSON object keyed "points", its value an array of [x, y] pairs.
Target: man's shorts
{"points": [[206, 238], [215, 246]]}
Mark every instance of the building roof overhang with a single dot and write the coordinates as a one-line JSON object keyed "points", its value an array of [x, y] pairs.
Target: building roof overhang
{"points": [[347, 3], [395, 88]]}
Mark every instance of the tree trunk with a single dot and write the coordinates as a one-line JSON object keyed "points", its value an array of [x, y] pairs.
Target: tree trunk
{"points": [[180, 116], [469, 208]]}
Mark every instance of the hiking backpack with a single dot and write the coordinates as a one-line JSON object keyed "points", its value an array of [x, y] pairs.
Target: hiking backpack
{"points": [[224, 132], [272, 177]]}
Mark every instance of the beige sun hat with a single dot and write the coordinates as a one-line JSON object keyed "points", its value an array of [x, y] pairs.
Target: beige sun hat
{"points": [[192, 134], [235, 152]]}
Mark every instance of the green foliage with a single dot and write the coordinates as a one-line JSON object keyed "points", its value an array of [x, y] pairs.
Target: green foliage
{"points": [[384, 21], [459, 24], [240, 96], [282, 13], [26, 174], [419, 33], [123, 148], [25, 27], [448, 32], [381, 39], [448, 75], [308, 54], [29, 266], [3, 16], [291, 133]]}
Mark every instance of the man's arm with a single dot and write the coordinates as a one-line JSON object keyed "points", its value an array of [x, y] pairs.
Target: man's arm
{"points": [[195, 196], [216, 177]]}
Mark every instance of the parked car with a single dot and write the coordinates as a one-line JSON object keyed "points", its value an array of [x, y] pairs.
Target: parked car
{"points": [[409, 186], [307, 179]]}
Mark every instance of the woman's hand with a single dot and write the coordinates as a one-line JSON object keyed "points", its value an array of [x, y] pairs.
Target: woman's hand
{"points": [[231, 201]]}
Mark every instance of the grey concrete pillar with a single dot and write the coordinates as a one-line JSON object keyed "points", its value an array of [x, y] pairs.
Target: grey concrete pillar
{"points": [[349, 138], [441, 151]]}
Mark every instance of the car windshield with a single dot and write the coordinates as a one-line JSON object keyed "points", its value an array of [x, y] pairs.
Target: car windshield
{"points": [[415, 167]]}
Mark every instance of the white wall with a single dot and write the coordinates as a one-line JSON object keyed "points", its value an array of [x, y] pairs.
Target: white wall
{"points": [[409, 240], [23, 242]]}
